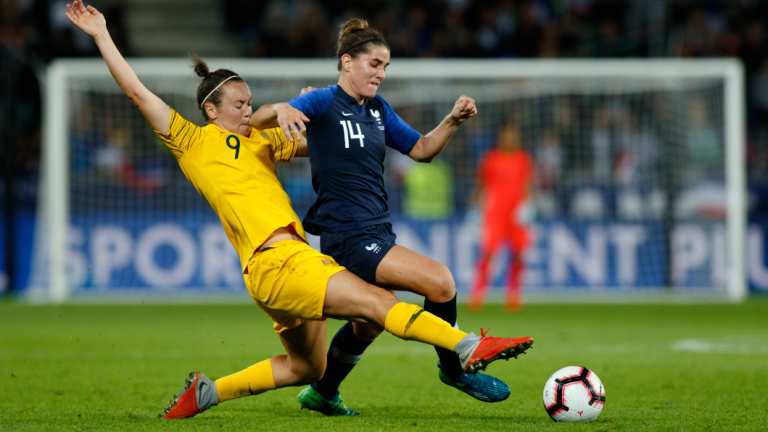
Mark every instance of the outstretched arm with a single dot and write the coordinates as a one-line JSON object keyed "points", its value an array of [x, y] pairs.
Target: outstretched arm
{"points": [[289, 119], [428, 146], [92, 22]]}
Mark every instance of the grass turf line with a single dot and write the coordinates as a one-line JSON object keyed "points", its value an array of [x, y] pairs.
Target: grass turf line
{"points": [[105, 367]]}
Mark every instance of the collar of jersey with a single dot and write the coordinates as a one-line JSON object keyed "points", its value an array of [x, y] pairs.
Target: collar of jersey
{"points": [[347, 98], [230, 132]]}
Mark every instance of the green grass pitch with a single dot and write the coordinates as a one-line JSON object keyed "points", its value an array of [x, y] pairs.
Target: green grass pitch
{"points": [[113, 367]]}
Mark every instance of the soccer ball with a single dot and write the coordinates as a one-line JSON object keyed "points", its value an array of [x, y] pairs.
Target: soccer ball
{"points": [[574, 393]]}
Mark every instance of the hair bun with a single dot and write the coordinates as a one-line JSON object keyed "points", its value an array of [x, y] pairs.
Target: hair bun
{"points": [[201, 68], [353, 25]]}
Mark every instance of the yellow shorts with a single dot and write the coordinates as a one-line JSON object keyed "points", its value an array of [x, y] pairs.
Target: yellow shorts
{"points": [[289, 281]]}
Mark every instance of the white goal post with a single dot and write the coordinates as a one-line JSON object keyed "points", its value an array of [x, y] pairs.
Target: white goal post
{"points": [[606, 230]]}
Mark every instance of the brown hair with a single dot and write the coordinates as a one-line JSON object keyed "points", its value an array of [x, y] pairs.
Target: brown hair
{"points": [[354, 37], [211, 80]]}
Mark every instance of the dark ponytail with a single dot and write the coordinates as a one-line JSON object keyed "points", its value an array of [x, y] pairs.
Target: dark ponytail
{"points": [[354, 37]]}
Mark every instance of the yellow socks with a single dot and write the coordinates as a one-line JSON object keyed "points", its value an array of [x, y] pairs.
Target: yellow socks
{"points": [[404, 320], [249, 381], [409, 321]]}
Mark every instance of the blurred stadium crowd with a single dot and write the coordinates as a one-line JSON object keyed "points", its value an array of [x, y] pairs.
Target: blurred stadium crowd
{"points": [[32, 33]]}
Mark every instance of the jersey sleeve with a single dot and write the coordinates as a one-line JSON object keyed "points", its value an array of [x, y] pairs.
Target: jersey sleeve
{"points": [[313, 103], [399, 135], [182, 134], [282, 148]]}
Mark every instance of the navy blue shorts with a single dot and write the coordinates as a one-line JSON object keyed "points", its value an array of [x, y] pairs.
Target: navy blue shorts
{"points": [[359, 251]]}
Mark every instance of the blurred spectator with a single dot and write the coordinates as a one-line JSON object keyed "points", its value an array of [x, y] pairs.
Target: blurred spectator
{"points": [[549, 161], [64, 41], [607, 141], [696, 38], [704, 148], [549, 167], [20, 106], [104, 149], [623, 151], [759, 86], [429, 191], [35, 31], [638, 153]]}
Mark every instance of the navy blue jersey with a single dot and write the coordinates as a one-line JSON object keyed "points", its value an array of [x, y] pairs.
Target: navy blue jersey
{"points": [[346, 148]]}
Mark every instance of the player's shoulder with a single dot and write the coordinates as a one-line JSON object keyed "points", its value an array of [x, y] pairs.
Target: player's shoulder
{"points": [[180, 127], [379, 102], [177, 118], [316, 101], [327, 91], [324, 93]]}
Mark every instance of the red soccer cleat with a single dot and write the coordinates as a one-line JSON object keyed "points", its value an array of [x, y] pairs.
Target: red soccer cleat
{"points": [[493, 348], [199, 394]]}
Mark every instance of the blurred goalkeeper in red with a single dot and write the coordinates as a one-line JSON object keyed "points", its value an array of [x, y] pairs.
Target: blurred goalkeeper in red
{"points": [[504, 185]]}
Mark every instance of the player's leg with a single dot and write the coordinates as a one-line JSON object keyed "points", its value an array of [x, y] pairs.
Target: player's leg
{"points": [[294, 279], [518, 243], [302, 363], [310, 285], [345, 351], [360, 252], [402, 268], [405, 269], [489, 243], [372, 255], [513, 300], [349, 296]]}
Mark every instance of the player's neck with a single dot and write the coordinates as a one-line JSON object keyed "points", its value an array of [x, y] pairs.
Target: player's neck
{"points": [[347, 88]]}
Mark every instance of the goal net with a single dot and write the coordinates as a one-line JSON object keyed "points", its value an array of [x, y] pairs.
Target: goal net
{"points": [[638, 192]]}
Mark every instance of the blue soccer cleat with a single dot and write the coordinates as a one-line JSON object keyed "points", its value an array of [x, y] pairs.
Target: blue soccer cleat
{"points": [[311, 399], [480, 386]]}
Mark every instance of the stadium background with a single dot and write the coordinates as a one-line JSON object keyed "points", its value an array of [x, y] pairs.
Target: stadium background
{"points": [[99, 367], [35, 33]]}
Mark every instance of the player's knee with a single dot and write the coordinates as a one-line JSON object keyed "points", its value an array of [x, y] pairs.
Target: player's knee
{"points": [[384, 297], [443, 287], [380, 303]]}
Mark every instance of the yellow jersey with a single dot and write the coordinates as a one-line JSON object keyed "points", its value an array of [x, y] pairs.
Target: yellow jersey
{"points": [[236, 175]]}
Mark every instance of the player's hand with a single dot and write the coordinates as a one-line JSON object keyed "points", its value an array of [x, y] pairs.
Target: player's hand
{"points": [[463, 109], [86, 18], [291, 121], [306, 89]]}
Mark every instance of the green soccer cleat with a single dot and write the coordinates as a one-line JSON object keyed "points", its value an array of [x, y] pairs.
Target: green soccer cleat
{"points": [[478, 385], [311, 399]]}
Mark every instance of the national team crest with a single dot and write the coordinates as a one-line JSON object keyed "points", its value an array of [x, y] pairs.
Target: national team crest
{"points": [[377, 116]]}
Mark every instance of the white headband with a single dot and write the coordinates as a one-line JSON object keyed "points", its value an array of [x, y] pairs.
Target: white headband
{"points": [[216, 88]]}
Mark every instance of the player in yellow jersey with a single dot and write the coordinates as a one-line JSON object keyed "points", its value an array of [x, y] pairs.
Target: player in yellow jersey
{"points": [[233, 167]]}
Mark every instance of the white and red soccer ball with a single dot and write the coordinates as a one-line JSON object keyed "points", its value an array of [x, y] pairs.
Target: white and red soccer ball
{"points": [[574, 393]]}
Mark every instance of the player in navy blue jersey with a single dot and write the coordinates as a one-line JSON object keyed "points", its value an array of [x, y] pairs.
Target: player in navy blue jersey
{"points": [[348, 128]]}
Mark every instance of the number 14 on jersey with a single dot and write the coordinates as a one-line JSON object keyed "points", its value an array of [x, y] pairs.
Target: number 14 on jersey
{"points": [[349, 133]]}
